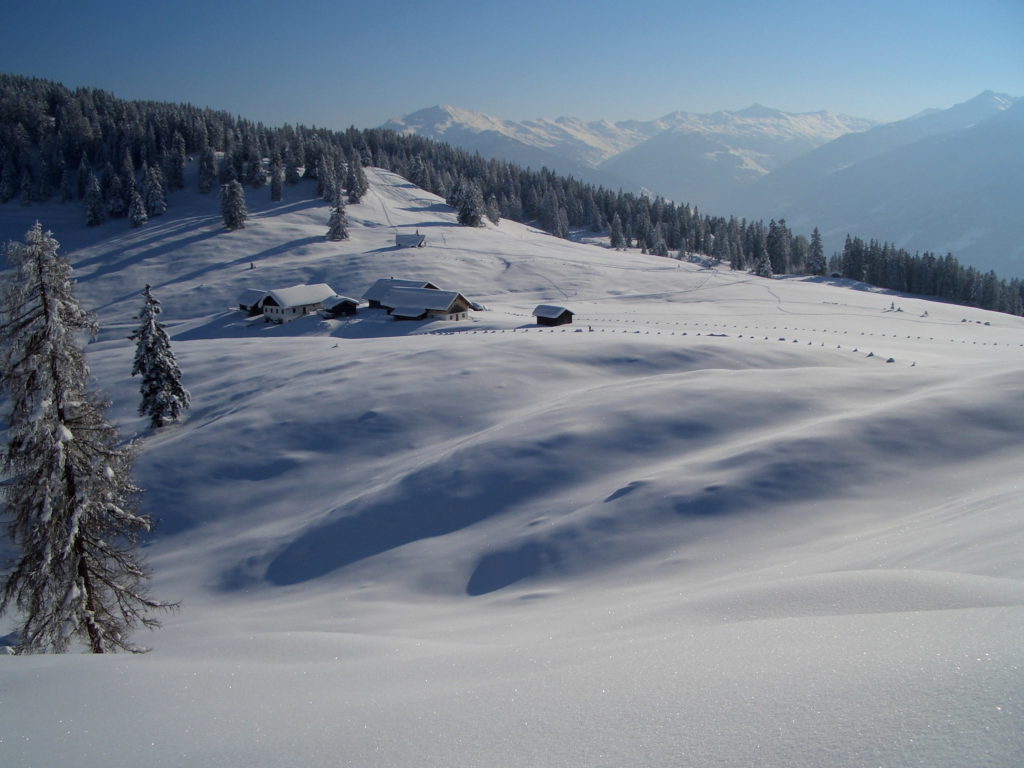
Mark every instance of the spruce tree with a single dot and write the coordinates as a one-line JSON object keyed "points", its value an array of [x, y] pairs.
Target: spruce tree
{"points": [[232, 205], [163, 396], [337, 226], [618, 240], [816, 264], [356, 182], [70, 500], [153, 191], [207, 171], [116, 205], [137, 210], [470, 203], [174, 163], [82, 177], [493, 210], [95, 209], [276, 181]]}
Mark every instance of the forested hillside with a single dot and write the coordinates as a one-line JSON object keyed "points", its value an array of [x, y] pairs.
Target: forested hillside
{"points": [[121, 159]]}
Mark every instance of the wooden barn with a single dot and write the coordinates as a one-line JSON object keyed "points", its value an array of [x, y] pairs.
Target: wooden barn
{"points": [[285, 304], [406, 303], [251, 300], [410, 241], [550, 314], [382, 287], [340, 306]]}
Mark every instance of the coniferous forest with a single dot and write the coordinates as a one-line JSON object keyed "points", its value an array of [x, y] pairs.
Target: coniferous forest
{"points": [[122, 159]]}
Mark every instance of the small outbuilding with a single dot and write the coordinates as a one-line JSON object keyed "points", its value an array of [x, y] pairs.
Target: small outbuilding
{"points": [[410, 241], [340, 306], [285, 304], [382, 287], [251, 300], [550, 314]]}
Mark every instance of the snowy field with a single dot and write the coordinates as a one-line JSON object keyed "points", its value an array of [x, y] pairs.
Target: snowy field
{"points": [[718, 521]]}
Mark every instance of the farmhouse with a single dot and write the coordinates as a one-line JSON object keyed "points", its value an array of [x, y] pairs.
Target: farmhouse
{"points": [[251, 300], [340, 306], [549, 314], [410, 241], [406, 303], [286, 304], [382, 287]]}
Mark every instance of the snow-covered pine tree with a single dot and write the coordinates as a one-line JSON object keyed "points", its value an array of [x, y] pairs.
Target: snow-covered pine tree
{"points": [[618, 240], [163, 396], [816, 263], [207, 170], [137, 210], [470, 202], [337, 226], [82, 177], [116, 205], [70, 499], [493, 209], [276, 181], [763, 265], [174, 162], [356, 182], [153, 191], [232, 205], [95, 209]]}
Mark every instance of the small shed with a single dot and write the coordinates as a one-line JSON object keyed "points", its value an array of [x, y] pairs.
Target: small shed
{"points": [[382, 287], [410, 241], [340, 306], [284, 304], [251, 300], [550, 314]]}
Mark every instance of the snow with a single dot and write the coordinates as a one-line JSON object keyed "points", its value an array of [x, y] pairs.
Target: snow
{"points": [[548, 310], [705, 525], [301, 295]]}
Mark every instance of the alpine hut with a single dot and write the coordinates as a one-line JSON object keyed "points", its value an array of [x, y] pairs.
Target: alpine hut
{"points": [[406, 303], [286, 304], [382, 287], [340, 306], [410, 241], [550, 314], [251, 300]]}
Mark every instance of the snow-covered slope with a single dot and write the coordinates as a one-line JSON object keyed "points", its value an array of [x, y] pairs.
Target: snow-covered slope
{"points": [[719, 519]]}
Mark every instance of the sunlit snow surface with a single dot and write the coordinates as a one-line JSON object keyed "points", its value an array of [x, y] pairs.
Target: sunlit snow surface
{"points": [[708, 524]]}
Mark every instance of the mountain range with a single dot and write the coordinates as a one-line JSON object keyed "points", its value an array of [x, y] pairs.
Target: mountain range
{"points": [[690, 157], [942, 180]]}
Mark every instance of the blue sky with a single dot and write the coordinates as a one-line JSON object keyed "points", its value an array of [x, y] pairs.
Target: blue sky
{"points": [[336, 64]]}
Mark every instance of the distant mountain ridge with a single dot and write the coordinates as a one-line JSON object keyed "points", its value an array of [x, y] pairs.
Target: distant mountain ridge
{"points": [[659, 155], [940, 181]]}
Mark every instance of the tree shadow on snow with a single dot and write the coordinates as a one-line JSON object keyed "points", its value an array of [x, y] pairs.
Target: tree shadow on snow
{"points": [[434, 501]]}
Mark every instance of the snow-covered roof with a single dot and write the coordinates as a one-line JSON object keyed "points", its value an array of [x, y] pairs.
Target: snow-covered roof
{"points": [[415, 239], [251, 296], [302, 295], [410, 312], [425, 298], [380, 288], [551, 311], [334, 301]]}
